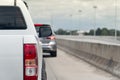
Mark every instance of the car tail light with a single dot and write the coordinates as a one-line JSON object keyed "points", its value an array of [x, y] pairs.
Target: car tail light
{"points": [[30, 62], [51, 37]]}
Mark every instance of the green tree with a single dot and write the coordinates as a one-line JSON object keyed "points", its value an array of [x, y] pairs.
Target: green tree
{"points": [[112, 32], [105, 32], [91, 32], [118, 33], [98, 31], [86, 33], [62, 32], [74, 32]]}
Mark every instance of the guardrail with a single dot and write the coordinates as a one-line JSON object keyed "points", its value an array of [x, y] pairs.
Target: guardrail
{"points": [[99, 38], [101, 54]]}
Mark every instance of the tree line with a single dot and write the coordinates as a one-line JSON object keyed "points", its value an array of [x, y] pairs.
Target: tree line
{"points": [[66, 32], [98, 32], [103, 32]]}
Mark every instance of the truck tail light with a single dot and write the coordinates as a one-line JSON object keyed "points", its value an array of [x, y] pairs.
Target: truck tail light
{"points": [[51, 37], [30, 62]]}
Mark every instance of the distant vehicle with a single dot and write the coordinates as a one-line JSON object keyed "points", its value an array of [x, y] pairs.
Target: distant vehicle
{"points": [[20, 48], [47, 37]]}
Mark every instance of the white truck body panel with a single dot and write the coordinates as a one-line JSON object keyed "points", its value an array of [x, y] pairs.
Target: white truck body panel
{"points": [[11, 58]]}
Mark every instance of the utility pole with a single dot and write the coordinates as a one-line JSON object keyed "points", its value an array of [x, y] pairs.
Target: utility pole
{"points": [[80, 11], [115, 20], [95, 7], [71, 23], [15, 2]]}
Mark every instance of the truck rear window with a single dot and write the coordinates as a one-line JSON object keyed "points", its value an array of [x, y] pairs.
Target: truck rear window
{"points": [[11, 18]]}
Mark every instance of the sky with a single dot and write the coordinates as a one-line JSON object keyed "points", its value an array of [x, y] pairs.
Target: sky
{"points": [[76, 14]]}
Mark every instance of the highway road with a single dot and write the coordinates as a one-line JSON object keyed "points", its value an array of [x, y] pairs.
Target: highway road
{"points": [[68, 67]]}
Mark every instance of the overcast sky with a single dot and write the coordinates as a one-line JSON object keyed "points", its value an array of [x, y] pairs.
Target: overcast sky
{"points": [[76, 14]]}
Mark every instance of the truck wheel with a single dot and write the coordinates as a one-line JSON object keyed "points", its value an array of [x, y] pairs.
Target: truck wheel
{"points": [[44, 75]]}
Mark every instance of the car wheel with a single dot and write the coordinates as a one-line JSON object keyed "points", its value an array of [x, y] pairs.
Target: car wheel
{"points": [[44, 75], [54, 53]]}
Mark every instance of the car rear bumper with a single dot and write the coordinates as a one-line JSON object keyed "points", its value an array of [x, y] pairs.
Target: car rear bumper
{"points": [[49, 47]]}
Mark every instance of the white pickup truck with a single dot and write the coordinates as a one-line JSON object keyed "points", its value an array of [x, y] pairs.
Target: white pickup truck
{"points": [[20, 48]]}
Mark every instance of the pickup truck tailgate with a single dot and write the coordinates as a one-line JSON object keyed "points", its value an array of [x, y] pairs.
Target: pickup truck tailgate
{"points": [[11, 58]]}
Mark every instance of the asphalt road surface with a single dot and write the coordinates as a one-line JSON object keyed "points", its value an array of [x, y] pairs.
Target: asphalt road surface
{"points": [[68, 67]]}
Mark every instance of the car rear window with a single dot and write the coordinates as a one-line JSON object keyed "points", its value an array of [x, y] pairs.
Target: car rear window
{"points": [[11, 18], [45, 31]]}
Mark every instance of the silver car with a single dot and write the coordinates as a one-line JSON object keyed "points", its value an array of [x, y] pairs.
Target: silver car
{"points": [[47, 37]]}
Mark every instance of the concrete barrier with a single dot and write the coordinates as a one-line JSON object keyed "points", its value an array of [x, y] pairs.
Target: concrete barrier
{"points": [[104, 56]]}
